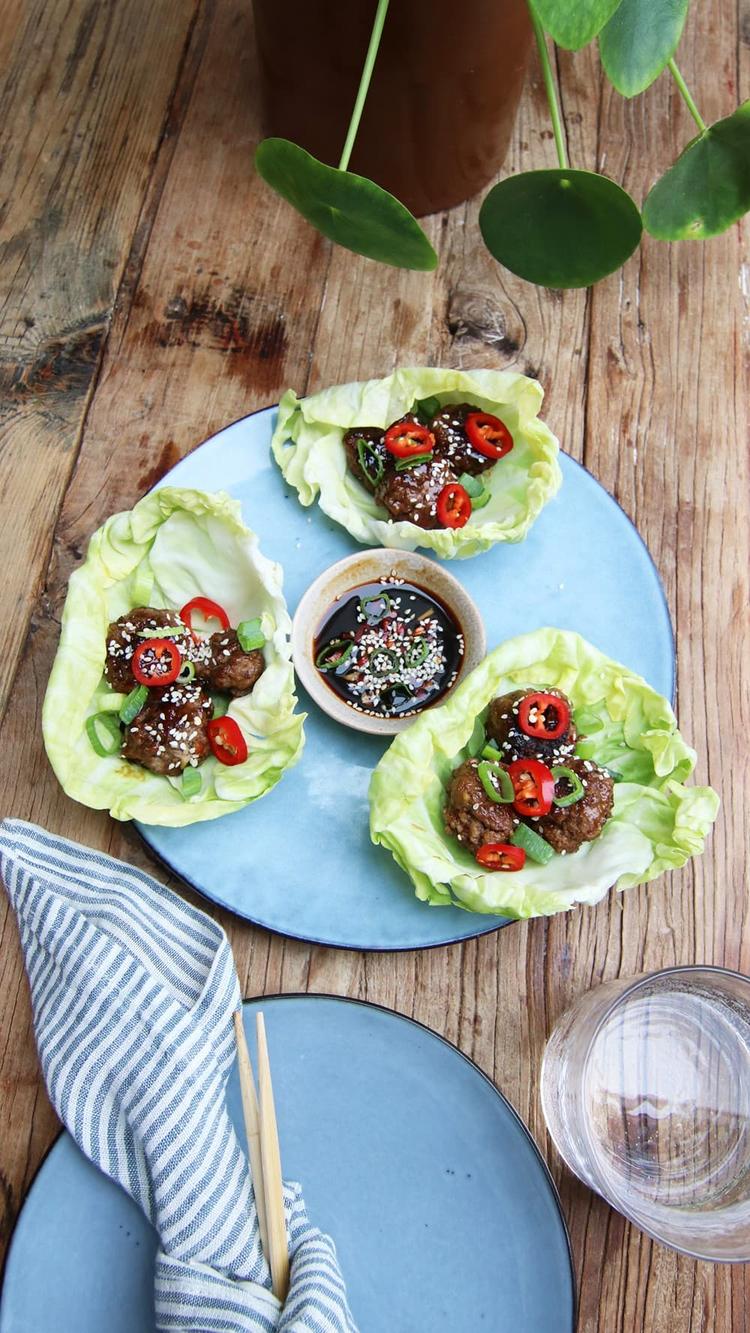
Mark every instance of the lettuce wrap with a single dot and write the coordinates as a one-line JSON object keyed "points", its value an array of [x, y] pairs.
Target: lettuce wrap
{"points": [[173, 546], [307, 445], [657, 822]]}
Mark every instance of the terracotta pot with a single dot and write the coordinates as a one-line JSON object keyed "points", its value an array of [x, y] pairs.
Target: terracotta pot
{"points": [[443, 96]]}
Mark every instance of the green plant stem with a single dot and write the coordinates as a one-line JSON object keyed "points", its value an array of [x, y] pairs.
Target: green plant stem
{"points": [[364, 83], [549, 85], [685, 93]]}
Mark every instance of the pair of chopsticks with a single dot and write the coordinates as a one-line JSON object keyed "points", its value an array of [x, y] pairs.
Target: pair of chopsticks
{"points": [[263, 1150]]}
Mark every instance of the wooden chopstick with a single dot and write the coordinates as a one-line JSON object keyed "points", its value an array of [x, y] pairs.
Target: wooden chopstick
{"points": [[278, 1257], [251, 1117], [263, 1151]]}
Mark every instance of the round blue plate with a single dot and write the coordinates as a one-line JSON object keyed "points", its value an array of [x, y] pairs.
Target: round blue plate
{"points": [[300, 860], [443, 1212]]}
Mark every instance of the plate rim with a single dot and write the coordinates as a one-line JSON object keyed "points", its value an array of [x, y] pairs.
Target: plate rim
{"points": [[450, 940], [351, 1001]]}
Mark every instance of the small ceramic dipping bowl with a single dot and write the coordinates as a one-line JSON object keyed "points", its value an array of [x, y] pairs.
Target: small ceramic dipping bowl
{"points": [[379, 566]]}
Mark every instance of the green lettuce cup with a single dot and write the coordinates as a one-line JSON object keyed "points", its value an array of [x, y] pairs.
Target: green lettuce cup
{"points": [[657, 822], [307, 445], [173, 546]]}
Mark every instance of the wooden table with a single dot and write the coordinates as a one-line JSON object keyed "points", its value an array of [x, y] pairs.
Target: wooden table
{"points": [[154, 290]]}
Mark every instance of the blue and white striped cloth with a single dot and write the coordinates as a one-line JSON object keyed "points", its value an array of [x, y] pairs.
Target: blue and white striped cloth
{"points": [[133, 992]]}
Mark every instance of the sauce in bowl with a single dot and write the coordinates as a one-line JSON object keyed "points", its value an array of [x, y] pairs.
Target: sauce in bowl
{"points": [[388, 649]]}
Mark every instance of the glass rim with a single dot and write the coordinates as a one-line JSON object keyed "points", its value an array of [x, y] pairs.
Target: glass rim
{"points": [[636, 984]]}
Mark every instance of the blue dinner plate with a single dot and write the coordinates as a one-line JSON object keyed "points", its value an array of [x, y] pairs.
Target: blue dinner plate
{"points": [[300, 860], [444, 1215]]}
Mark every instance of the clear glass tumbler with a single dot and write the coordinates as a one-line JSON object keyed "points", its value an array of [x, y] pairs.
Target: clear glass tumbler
{"points": [[646, 1093]]}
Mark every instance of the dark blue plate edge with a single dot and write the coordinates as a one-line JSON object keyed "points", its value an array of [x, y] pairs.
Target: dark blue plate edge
{"points": [[406, 1018], [379, 948]]}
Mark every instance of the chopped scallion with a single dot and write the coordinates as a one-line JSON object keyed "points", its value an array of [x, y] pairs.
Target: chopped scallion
{"points": [[496, 782], [562, 773], [187, 673], [250, 635], [536, 848], [415, 460], [334, 654], [370, 461], [103, 731], [191, 782], [133, 704]]}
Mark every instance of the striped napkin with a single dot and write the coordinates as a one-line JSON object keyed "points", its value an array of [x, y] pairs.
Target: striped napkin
{"points": [[133, 992]]}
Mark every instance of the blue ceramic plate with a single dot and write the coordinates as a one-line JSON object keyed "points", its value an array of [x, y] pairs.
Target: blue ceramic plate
{"points": [[444, 1215], [300, 860]]}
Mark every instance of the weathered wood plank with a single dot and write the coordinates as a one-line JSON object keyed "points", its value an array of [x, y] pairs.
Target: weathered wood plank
{"points": [[83, 105]]}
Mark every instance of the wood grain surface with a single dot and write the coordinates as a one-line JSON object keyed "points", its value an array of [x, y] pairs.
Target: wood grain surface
{"points": [[153, 290]]}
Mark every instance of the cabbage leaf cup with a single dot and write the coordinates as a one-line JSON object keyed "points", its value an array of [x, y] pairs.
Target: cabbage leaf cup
{"points": [[174, 545], [657, 823], [307, 445]]}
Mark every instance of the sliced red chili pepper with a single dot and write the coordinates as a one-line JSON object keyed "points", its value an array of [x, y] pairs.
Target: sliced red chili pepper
{"points": [[407, 438], [544, 715], [156, 662], [534, 786], [488, 435], [226, 741], [501, 856], [453, 506], [210, 610]]}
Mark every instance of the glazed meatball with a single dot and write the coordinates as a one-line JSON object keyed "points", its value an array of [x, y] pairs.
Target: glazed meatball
{"points": [[170, 731], [123, 639], [412, 495], [502, 727], [230, 668], [374, 436], [566, 828], [471, 816], [452, 443]]}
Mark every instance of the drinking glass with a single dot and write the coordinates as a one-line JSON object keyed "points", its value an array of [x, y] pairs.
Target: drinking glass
{"points": [[646, 1093]]}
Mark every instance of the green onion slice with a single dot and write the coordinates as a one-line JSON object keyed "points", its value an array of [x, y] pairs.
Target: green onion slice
{"points": [[418, 653], [415, 460], [496, 782], [425, 409], [250, 635], [536, 848], [163, 632], [111, 702], [369, 606], [472, 485], [491, 751], [334, 654], [587, 721], [187, 673], [221, 705], [561, 771], [370, 461], [383, 652], [191, 782], [133, 704], [103, 730], [479, 501]]}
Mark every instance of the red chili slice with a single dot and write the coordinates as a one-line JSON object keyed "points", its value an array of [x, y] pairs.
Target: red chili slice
{"points": [[501, 856], [156, 662], [453, 506], [226, 741], [488, 435], [544, 715], [534, 786], [210, 610], [408, 438]]}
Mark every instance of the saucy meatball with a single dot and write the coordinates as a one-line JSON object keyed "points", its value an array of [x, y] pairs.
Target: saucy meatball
{"points": [[412, 495], [502, 727], [471, 816], [123, 639], [170, 731], [374, 438], [229, 667], [566, 828], [453, 444]]}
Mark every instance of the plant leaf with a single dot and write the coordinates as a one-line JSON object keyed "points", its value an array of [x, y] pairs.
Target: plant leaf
{"points": [[708, 187], [560, 228], [639, 40], [573, 23], [348, 209]]}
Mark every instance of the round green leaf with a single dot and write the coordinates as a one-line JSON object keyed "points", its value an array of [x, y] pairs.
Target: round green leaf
{"points": [[573, 23], [348, 209], [639, 40], [708, 188], [560, 228]]}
